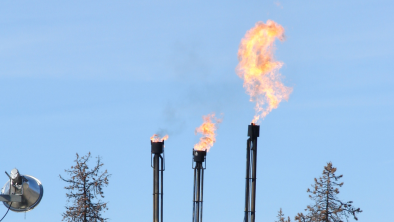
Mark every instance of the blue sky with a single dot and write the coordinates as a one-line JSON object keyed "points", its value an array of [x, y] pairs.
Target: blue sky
{"points": [[103, 76]]}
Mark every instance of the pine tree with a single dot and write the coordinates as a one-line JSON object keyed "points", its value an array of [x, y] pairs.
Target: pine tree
{"points": [[85, 191], [281, 217], [327, 206]]}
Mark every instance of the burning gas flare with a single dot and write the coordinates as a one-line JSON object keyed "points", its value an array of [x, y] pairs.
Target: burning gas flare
{"points": [[207, 129], [156, 138], [259, 70]]}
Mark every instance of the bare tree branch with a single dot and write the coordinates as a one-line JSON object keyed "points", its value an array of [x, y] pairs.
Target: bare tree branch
{"points": [[327, 206], [85, 191]]}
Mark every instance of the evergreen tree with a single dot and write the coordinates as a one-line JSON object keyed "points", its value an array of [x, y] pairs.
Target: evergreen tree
{"points": [[85, 191], [327, 206]]}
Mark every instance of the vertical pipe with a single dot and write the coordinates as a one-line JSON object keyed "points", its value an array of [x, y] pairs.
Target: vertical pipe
{"points": [[198, 169], [202, 189], [198, 188], [154, 185], [161, 189], [157, 163], [251, 170], [156, 188], [247, 177], [194, 196], [254, 169]]}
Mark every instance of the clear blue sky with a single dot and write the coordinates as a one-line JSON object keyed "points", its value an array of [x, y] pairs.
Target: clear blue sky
{"points": [[103, 76]]}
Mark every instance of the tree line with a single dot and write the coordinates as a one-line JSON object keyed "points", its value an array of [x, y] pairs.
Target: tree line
{"points": [[85, 195]]}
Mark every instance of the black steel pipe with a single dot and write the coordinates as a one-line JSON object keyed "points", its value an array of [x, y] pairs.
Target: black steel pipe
{"points": [[156, 188], [161, 187], [247, 186], [254, 169], [202, 190], [157, 151], [251, 170], [198, 188]]}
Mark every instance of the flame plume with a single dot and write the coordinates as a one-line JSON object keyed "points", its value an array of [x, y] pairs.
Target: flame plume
{"points": [[156, 138], [207, 129], [259, 70]]}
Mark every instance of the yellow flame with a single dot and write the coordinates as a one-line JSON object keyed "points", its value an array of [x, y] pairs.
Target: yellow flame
{"points": [[259, 70], [207, 129], [156, 138]]}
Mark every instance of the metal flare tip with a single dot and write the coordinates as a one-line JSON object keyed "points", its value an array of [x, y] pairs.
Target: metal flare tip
{"points": [[157, 147], [199, 156], [253, 130]]}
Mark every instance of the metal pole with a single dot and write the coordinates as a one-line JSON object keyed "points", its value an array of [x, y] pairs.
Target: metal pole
{"points": [[202, 189], [251, 169], [247, 177], [158, 165], [198, 188], [194, 196], [198, 192], [254, 169], [161, 188], [156, 188]]}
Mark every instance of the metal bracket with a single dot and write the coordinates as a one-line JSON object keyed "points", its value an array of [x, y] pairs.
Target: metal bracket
{"points": [[11, 198]]}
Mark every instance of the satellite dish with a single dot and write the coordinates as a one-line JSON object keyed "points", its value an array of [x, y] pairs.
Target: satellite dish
{"points": [[22, 193]]}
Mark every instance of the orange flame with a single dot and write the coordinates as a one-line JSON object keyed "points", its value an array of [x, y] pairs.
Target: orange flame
{"points": [[207, 129], [259, 70], [156, 138]]}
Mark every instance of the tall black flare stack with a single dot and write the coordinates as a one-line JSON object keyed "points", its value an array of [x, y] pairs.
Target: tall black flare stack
{"points": [[198, 189], [251, 164], [157, 163]]}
